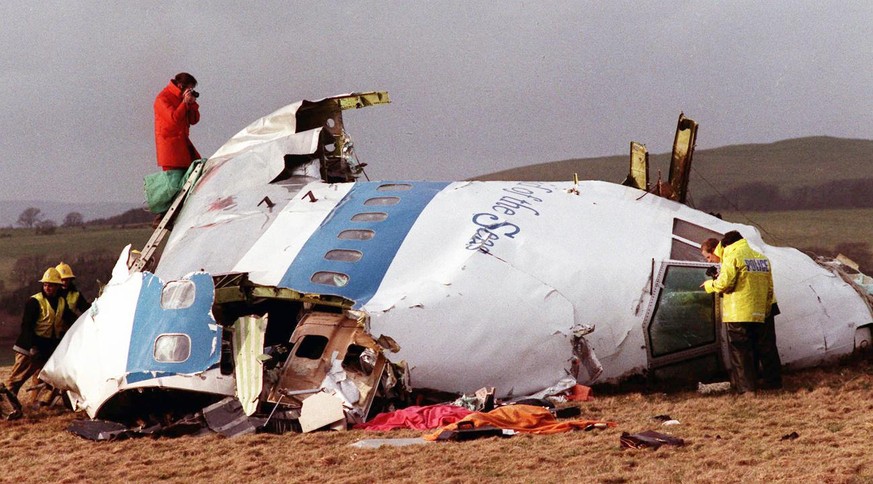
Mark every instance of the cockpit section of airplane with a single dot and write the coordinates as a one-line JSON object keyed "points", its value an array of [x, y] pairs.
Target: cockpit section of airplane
{"points": [[280, 277]]}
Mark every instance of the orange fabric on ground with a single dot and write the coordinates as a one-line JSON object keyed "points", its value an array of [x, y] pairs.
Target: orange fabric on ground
{"points": [[522, 418], [580, 393]]}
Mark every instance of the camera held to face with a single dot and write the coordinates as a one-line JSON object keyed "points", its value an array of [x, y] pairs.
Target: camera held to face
{"points": [[712, 272]]}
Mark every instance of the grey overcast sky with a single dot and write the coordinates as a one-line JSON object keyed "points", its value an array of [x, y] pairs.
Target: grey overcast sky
{"points": [[476, 86]]}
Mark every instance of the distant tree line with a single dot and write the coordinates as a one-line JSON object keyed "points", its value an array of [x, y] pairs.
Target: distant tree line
{"points": [[32, 218], [133, 216], [763, 197]]}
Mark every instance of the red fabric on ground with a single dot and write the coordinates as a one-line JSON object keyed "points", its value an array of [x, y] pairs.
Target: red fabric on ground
{"points": [[522, 418], [419, 418]]}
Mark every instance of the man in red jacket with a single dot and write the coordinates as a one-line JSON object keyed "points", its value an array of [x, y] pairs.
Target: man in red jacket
{"points": [[176, 109]]}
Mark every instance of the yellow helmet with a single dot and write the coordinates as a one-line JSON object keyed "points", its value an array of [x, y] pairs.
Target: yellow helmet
{"points": [[51, 276], [65, 271]]}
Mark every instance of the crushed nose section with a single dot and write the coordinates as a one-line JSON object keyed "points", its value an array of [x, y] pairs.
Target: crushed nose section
{"points": [[333, 372], [339, 162]]}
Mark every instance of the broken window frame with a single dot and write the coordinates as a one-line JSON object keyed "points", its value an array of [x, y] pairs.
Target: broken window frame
{"points": [[305, 342], [344, 335]]}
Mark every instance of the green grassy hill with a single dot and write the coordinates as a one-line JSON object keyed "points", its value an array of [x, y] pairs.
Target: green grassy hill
{"points": [[68, 244], [788, 166]]}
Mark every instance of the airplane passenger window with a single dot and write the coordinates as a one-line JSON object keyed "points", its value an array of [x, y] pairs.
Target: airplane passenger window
{"points": [[684, 316], [344, 255], [394, 187], [330, 278], [172, 348], [382, 201], [369, 217], [356, 234], [178, 294], [311, 347]]}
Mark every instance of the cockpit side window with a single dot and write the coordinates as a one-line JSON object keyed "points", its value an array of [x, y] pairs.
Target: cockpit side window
{"points": [[178, 294], [684, 316], [687, 238], [172, 348]]}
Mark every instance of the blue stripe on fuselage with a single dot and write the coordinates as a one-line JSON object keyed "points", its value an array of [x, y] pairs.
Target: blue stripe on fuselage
{"points": [[366, 274], [152, 320]]}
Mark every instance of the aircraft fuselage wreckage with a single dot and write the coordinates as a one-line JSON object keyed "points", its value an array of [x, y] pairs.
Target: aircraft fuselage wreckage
{"points": [[290, 285]]}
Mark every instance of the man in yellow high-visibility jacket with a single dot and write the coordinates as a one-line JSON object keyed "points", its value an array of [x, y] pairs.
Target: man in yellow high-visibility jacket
{"points": [[76, 302], [746, 282], [46, 319]]}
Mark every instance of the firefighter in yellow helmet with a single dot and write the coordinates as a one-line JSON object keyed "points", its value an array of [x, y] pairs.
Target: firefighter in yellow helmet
{"points": [[76, 302], [46, 319]]}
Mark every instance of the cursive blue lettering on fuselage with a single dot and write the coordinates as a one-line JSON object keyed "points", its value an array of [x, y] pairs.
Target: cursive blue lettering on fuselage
{"points": [[493, 225]]}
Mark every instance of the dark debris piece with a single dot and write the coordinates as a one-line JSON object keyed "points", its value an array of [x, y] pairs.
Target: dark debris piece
{"points": [[648, 440]]}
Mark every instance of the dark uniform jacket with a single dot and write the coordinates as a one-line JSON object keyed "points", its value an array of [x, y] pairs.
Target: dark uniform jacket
{"points": [[42, 328]]}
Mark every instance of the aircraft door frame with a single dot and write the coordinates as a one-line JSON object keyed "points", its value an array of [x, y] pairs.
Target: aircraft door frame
{"points": [[670, 325]]}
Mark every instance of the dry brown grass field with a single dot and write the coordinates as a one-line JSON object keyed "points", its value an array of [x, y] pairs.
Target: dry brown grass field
{"points": [[728, 439]]}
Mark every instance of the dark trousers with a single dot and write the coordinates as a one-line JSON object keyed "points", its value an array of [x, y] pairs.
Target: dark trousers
{"points": [[749, 345], [768, 355]]}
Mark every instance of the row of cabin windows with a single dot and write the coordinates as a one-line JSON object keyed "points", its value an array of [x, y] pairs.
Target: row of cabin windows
{"points": [[176, 348], [683, 318], [338, 279]]}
